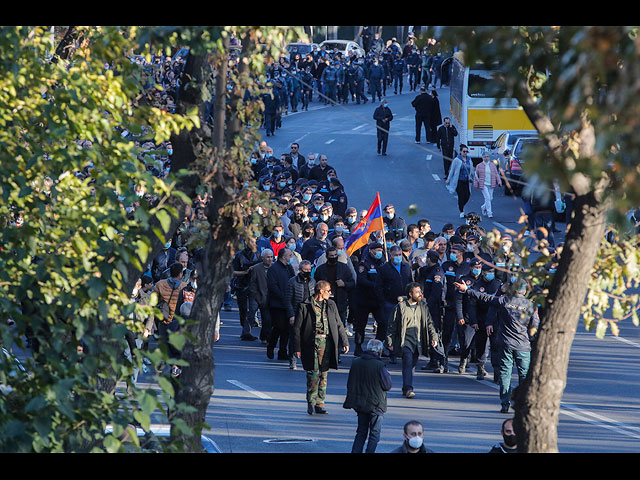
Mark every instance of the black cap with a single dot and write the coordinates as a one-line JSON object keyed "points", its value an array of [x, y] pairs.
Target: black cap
{"points": [[433, 256], [375, 245]]}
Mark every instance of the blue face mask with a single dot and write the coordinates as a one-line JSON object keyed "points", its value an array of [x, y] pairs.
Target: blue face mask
{"points": [[167, 245], [389, 244], [282, 184], [513, 278], [277, 234], [397, 260], [490, 276], [340, 251], [476, 271], [453, 257], [447, 236], [552, 270], [378, 255]]}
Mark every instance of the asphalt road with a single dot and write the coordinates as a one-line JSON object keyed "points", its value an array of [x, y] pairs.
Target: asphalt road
{"points": [[259, 404]]}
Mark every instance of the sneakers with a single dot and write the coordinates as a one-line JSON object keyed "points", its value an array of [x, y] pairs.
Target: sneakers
{"points": [[409, 394], [248, 337], [483, 210], [504, 409], [310, 409], [481, 373], [293, 364], [320, 410], [349, 331], [270, 353], [461, 214]]}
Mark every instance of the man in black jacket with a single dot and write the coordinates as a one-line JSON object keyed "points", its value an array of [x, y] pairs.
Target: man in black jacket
{"points": [[318, 336], [277, 278], [424, 105], [367, 387], [366, 300], [242, 262], [299, 289], [391, 283], [445, 140], [340, 278], [383, 116]]}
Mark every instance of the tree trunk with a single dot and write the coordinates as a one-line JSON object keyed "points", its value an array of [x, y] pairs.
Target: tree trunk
{"points": [[537, 400]]}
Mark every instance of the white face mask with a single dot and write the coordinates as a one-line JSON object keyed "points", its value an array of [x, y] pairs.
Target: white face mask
{"points": [[415, 442]]}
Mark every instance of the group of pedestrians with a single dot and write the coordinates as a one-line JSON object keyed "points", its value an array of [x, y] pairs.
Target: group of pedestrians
{"points": [[431, 293]]}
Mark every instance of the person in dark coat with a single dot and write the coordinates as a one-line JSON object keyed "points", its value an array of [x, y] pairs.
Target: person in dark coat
{"points": [[391, 283], [339, 277], [425, 108], [367, 387], [299, 289], [271, 101], [445, 141], [436, 118], [318, 334], [278, 276], [383, 116]]}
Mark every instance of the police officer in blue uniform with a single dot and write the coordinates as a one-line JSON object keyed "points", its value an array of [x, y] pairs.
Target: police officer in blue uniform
{"points": [[395, 226], [399, 68], [432, 278], [465, 311], [454, 269], [375, 76], [330, 81], [413, 66], [487, 283], [366, 300]]}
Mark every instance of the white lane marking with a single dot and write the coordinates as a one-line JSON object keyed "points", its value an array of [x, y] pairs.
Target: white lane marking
{"points": [[359, 126], [429, 157], [249, 389], [330, 141], [616, 427], [435, 177], [299, 139], [634, 344], [579, 414]]}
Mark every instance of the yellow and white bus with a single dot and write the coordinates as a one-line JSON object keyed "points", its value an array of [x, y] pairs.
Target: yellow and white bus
{"points": [[478, 109]]}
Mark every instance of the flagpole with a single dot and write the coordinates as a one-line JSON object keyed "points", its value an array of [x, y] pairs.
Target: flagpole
{"points": [[384, 240]]}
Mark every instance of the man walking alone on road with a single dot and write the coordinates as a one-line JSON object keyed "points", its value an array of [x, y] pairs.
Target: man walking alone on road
{"points": [[383, 116]]}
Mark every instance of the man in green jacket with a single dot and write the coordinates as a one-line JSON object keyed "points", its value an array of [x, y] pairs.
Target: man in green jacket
{"points": [[410, 333]]}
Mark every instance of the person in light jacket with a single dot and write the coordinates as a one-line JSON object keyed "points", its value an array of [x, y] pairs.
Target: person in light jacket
{"points": [[461, 174], [486, 179]]}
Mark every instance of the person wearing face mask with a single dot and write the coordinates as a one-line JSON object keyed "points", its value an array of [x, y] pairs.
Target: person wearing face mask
{"points": [[432, 279], [383, 117], [510, 441], [305, 199], [413, 439], [518, 321], [278, 277], [162, 261], [327, 216], [486, 179], [375, 75], [367, 386], [411, 333], [487, 283], [466, 313], [351, 219], [298, 220], [391, 283], [314, 247], [319, 171], [454, 269], [395, 226], [339, 277], [366, 300], [305, 170], [337, 198], [299, 289], [276, 240], [505, 258]]}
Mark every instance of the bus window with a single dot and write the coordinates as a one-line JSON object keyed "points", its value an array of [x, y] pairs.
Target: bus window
{"points": [[485, 84]]}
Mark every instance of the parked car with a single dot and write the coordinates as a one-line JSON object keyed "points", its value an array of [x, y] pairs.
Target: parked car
{"points": [[516, 161], [163, 432], [344, 46], [502, 147]]}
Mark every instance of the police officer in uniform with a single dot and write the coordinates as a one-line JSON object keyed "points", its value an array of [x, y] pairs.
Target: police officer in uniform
{"points": [[465, 309], [306, 80], [413, 66], [487, 283], [432, 278], [376, 75], [366, 300], [454, 269], [395, 226], [330, 81], [359, 78]]}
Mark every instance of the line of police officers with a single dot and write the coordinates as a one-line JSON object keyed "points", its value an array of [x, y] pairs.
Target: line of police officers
{"points": [[338, 78]]}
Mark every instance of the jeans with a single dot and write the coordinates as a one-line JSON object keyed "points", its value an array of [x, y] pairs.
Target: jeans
{"points": [[369, 425], [409, 361], [507, 358]]}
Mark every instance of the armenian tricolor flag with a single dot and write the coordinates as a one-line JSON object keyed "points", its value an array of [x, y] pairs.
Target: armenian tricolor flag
{"points": [[372, 222]]}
